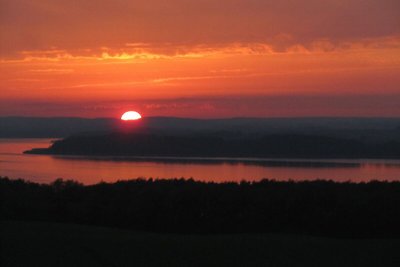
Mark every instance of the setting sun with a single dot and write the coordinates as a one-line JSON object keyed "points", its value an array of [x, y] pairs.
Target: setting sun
{"points": [[131, 116]]}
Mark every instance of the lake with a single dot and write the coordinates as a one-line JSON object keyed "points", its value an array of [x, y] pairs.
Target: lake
{"points": [[89, 170]]}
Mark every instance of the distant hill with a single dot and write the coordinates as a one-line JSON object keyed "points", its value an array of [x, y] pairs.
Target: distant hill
{"points": [[34, 127], [214, 145], [370, 129]]}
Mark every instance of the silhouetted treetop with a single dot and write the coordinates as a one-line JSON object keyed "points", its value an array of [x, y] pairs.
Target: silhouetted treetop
{"points": [[187, 206], [221, 145]]}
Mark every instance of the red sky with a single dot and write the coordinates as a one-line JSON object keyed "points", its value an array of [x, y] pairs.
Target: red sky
{"points": [[203, 58]]}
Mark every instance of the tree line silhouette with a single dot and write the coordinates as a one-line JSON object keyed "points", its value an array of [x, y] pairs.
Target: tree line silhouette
{"points": [[221, 145], [186, 206]]}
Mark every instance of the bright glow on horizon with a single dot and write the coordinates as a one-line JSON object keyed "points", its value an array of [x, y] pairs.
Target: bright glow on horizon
{"points": [[131, 116]]}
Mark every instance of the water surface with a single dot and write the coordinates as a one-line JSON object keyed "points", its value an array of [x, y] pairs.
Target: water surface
{"points": [[89, 170]]}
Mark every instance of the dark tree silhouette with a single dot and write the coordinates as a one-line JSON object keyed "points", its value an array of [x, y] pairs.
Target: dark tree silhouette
{"points": [[187, 206], [221, 145]]}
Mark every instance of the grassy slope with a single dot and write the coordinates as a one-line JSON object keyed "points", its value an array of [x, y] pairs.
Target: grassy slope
{"points": [[49, 244]]}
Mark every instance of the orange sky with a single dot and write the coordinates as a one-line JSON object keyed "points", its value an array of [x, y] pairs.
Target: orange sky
{"points": [[201, 58]]}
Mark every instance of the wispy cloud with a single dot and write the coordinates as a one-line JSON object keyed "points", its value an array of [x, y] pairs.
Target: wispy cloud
{"points": [[38, 25], [143, 52], [56, 71]]}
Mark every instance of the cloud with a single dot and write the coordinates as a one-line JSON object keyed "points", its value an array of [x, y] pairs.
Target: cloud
{"points": [[142, 52], [111, 50], [354, 105], [75, 24], [55, 71]]}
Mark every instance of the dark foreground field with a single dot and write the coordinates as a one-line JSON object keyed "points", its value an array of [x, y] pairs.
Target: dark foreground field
{"points": [[317, 208], [181, 222], [55, 244]]}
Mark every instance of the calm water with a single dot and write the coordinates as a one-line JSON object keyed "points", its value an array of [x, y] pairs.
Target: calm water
{"points": [[43, 168]]}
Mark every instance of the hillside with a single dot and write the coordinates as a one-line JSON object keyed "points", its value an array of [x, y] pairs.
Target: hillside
{"points": [[221, 145]]}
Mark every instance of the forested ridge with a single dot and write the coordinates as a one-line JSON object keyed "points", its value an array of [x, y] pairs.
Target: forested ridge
{"points": [[222, 145]]}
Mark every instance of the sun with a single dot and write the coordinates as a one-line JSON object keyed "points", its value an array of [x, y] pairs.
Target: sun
{"points": [[131, 116]]}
